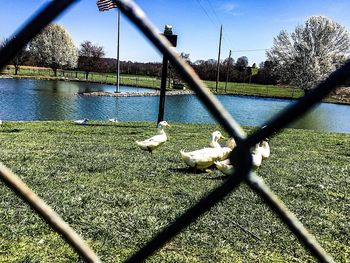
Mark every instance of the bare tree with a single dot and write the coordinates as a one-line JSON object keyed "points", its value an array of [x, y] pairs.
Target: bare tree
{"points": [[90, 57], [20, 58], [54, 48], [310, 53]]}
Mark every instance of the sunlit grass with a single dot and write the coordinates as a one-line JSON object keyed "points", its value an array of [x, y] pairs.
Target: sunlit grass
{"points": [[117, 196]]}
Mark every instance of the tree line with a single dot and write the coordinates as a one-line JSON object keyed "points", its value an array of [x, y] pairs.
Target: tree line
{"points": [[55, 49], [302, 58]]}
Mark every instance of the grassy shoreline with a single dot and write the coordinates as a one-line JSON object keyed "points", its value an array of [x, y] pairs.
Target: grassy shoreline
{"points": [[118, 201], [242, 89]]}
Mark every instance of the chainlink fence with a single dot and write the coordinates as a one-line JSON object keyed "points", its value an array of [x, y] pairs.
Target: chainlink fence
{"points": [[240, 156]]}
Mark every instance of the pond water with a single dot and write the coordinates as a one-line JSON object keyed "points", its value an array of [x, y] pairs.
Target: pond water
{"points": [[25, 99]]}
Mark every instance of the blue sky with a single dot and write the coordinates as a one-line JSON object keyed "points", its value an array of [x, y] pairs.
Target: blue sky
{"points": [[248, 24]]}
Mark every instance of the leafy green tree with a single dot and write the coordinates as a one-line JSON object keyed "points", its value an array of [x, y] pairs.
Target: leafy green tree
{"points": [[54, 48]]}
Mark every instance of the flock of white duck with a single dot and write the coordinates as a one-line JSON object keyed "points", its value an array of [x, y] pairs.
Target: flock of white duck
{"points": [[215, 154], [204, 158]]}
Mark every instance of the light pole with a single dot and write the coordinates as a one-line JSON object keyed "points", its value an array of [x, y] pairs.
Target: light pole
{"points": [[118, 61]]}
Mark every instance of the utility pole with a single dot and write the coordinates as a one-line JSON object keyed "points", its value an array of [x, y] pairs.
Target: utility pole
{"points": [[218, 65], [168, 33], [228, 69], [118, 49]]}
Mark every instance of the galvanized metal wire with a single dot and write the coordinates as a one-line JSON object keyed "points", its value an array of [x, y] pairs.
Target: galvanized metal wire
{"points": [[240, 156]]}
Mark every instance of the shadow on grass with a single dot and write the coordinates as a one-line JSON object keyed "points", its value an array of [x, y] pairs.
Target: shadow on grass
{"points": [[112, 125], [187, 170], [97, 125], [218, 178], [192, 171], [10, 130]]}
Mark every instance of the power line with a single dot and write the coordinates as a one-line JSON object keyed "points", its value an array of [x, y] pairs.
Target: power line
{"points": [[220, 22], [205, 11], [212, 8], [226, 40], [212, 21]]}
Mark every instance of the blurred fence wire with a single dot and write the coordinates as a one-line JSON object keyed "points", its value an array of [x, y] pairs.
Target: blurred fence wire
{"points": [[240, 156]]}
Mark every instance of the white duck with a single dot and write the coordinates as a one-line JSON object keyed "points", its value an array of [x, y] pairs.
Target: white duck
{"points": [[81, 122], [155, 141], [264, 148], [205, 157], [214, 138], [226, 150], [256, 155], [113, 120], [259, 152], [225, 166]]}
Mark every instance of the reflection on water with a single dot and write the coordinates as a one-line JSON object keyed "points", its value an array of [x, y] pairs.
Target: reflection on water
{"points": [[56, 100]]}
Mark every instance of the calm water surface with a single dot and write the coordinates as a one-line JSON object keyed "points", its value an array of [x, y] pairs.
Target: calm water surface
{"points": [[24, 99]]}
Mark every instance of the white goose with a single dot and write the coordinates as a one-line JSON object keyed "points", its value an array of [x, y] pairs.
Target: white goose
{"points": [[155, 141]]}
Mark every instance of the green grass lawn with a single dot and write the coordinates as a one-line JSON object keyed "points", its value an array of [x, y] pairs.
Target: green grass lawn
{"points": [[255, 90], [118, 197]]}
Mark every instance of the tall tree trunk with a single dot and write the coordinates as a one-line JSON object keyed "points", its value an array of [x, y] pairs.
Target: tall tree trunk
{"points": [[86, 75], [306, 91], [16, 69], [55, 72]]}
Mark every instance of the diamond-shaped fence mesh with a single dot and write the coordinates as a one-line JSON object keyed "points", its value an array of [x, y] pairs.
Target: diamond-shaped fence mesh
{"points": [[240, 156]]}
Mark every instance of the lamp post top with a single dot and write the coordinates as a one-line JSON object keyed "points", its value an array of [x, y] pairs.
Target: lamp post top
{"points": [[168, 29]]}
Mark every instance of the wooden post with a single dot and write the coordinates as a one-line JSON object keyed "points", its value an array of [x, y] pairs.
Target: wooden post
{"points": [[228, 69], [218, 65], [168, 33], [169, 78], [162, 90]]}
